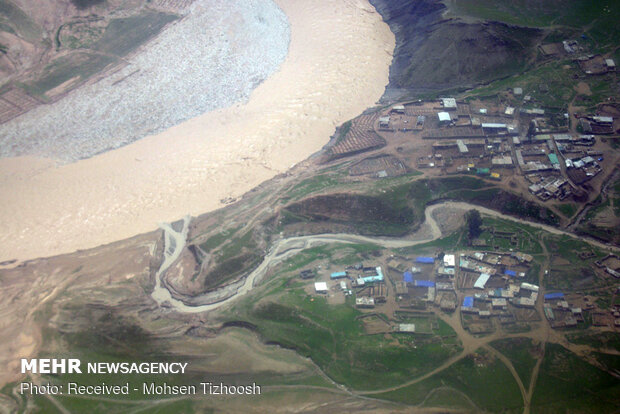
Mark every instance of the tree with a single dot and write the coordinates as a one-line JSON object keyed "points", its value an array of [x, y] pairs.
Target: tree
{"points": [[474, 223]]}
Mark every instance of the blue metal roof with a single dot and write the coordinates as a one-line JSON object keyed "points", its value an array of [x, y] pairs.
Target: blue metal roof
{"points": [[510, 273], [468, 302], [423, 259], [556, 295], [336, 275], [408, 277], [424, 283]]}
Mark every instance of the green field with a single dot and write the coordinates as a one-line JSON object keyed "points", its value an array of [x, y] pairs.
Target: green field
{"points": [[331, 335], [550, 85], [568, 209], [124, 35], [567, 383], [541, 13], [488, 383], [334, 339], [522, 353], [602, 340], [527, 241], [19, 22], [79, 64], [312, 185]]}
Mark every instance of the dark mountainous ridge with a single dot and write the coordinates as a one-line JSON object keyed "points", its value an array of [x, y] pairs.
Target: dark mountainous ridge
{"points": [[463, 54]]}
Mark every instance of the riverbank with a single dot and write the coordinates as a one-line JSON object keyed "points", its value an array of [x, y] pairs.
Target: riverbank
{"points": [[337, 66]]}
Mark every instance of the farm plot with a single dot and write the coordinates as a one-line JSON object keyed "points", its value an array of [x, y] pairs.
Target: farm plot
{"points": [[15, 102], [385, 165], [360, 137]]}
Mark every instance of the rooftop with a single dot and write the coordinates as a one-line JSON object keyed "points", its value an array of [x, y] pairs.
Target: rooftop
{"points": [[444, 117], [482, 280], [448, 102]]}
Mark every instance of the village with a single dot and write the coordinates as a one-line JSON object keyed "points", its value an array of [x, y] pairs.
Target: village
{"points": [[489, 291], [450, 137], [548, 154], [519, 137]]}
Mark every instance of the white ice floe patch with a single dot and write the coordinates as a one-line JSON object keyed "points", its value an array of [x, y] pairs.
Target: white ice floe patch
{"points": [[213, 57]]}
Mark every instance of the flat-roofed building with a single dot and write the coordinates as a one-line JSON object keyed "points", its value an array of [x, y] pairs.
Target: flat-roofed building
{"points": [[399, 109], [482, 281], [499, 302], [338, 275], [384, 122], [365, 302], [525, 302], [611, 65], [462, 147], [502, 161], [444, 117], [448, 103], [406, 327], [529, 286]]}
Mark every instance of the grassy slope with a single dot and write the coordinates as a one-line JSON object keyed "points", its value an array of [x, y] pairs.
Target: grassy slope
{"points": [[334, 339], [551, 84], [521, 352], [121, 37], [566, 382], [19, 22], [124, 35], [537, 13], [490, 386]]}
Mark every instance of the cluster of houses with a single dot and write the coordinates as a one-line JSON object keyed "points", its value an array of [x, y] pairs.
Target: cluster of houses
{"points": [[430, 281], [474, 140], [493, 149], [488, 277], [559, 313], [482, 285], [495, 280], [549, 187], [368, 284], [599, 125]]}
